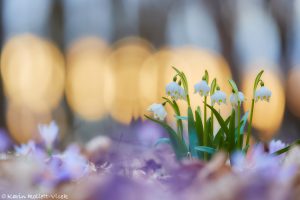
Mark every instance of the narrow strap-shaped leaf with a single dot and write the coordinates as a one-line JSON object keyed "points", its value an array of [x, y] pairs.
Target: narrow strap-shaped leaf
{"points": [[243, 122], [219, 136], [193, 137], [181, 117], [231, 135], [209, 132], [162, 141], [206, 149], [233, 86], [175, 107], [242, 126], [199, 126], [177, 144], [284, 150], [219, 118]]}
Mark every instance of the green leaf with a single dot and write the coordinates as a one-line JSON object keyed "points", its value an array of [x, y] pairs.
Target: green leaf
{"points": [[233, 86], [206, 76], [219, 118], [178, 146], [231, 136], [284, 150], [243, 122], [162, 141], [205, 149], [199, 125], [209, 132], [181, 117], [220, 136], [193, 137], [213, 86], [257, 79], [199, 129], [242, 126], [175, 107]]}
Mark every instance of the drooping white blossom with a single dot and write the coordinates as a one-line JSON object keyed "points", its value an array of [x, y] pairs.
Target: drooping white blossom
{"points": [[236, 98], [202, 88], [175, 91], [263, 93], [48, 133], [218, 97], [26, 149], [158, 110]]}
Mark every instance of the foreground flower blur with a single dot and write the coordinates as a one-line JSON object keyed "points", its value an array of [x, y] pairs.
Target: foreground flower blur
{"points": [[48, 133]]}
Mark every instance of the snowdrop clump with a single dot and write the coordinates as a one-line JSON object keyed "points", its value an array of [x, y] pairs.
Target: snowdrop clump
{"points": [[203, 141]]}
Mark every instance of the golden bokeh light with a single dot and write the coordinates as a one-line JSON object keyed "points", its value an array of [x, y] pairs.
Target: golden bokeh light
{"points": [[267, 117], [33, 73], [293, 92], [126, 61], [193, 62], [151, 82], [89, 83], [22, 123]]}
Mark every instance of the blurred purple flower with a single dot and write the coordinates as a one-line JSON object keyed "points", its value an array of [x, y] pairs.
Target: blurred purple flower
{"points": [[276, 145], [149, 132], [48, 133], [255, 159], [5, 141], [26, 149]]}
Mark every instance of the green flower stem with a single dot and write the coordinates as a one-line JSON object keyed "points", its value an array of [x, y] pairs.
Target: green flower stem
{"points": [[212, 121], [205, 129], [250, 123], [240, 143], [188, 100]]}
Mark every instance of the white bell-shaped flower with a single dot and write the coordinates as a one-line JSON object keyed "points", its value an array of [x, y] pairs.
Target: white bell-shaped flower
{"points": [[236, 98], [202, 88], [159, 111], [175, 91], [263, 93], [218, 97]]}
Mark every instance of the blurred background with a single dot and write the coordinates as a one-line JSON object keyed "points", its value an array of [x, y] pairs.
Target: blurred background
{"points": [[94, 66]]}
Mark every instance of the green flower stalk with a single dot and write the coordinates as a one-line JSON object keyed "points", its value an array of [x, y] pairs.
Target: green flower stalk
{"points": [[256, 82]]}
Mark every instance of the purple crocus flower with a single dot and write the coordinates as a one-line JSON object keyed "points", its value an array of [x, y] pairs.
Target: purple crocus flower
{"points": [[48, 133]]}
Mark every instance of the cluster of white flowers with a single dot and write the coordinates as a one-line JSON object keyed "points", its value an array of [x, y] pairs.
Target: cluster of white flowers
{"points": [[158, 110], [175, 91], [263, 93]]}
